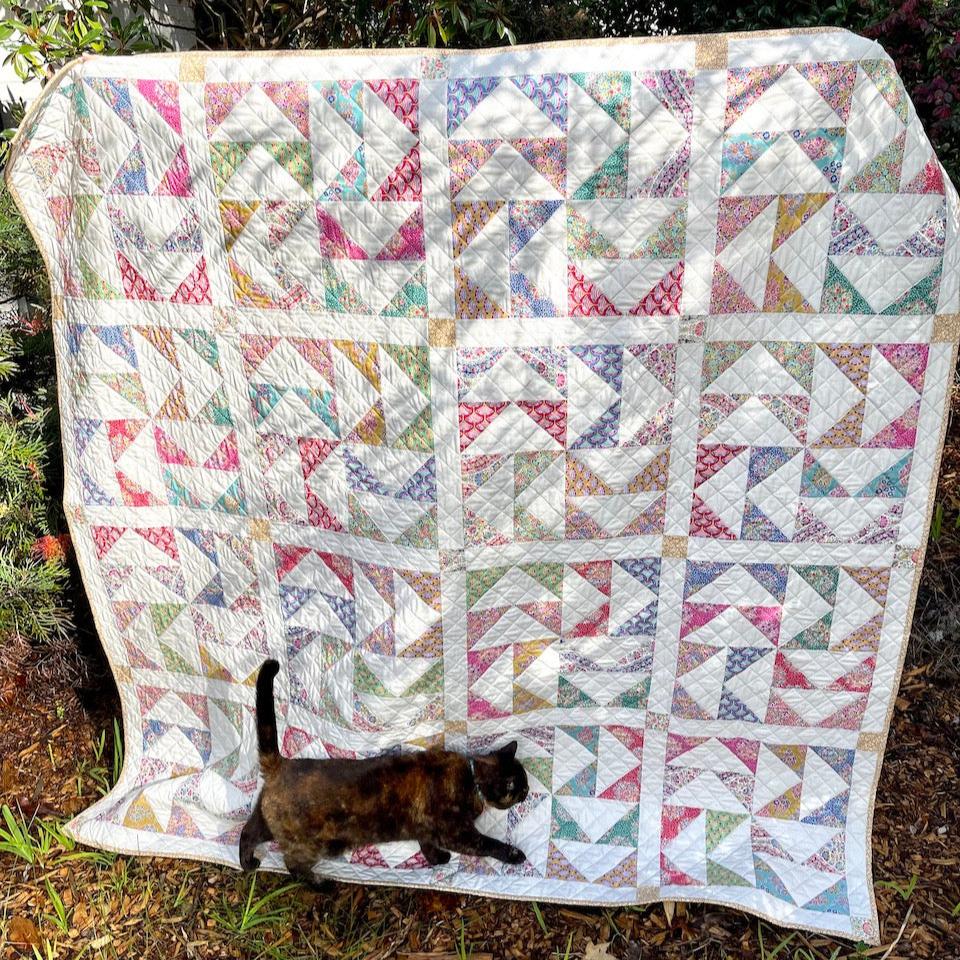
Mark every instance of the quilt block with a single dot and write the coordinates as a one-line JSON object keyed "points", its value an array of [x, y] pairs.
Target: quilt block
{"points": [[586, 395]]}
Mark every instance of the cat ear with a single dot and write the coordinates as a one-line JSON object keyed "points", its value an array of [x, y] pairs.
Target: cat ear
{"points": [[510, 750]]}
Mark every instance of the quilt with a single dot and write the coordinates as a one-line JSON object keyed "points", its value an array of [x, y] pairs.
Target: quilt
{"points": [[586, 395]]}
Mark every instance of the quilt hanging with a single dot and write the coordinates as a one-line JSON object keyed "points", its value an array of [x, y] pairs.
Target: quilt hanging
{"points": [[588, 395]]}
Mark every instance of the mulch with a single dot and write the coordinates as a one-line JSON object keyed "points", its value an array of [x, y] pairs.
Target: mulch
{"points": [[158, 908]]}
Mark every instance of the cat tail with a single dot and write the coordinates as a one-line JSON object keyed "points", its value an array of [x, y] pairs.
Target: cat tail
{"points": [[267, 719]]}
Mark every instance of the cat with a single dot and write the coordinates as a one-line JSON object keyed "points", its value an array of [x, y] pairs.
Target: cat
{"points": [[321, 808]]}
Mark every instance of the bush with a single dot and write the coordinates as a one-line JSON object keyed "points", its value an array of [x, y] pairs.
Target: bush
{"points": [[33, 552]]}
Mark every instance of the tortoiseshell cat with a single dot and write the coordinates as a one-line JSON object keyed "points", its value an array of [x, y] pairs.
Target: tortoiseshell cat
{"points": [[320, 808]]}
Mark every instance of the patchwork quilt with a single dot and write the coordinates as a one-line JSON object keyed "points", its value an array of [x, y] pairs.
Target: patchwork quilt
{"points": [[588, 395]]}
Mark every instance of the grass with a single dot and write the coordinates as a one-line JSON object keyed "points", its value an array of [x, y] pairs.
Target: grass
{"points": [[97, 770], [31, 840], [905, 890], [464, 950], [256, 912], [766, 954], [60, 918]]}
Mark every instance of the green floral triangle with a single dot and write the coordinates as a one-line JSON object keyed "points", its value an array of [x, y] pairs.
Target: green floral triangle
{"points": [[295, 158], [361, 524], [413, 361], [921, 298], [549, 575], [419, 434], [624, 831], [720, 824], [94, 286], [411, 299], [585, 240], [365, 680], [840, 295], [333, 650], [633, 699], [814, 637], [231, 500], [723, 877], [216, 409], [882, 173], [430, 682], [163, 614], [480, 581], [226, 157], [174, 662], [340, 296], [564, 827], [609, 181], [668, 239]]}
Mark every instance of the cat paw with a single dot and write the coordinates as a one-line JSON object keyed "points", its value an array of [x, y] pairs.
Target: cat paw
{"points": [[434, 855], [249, 863], [514, 855]]}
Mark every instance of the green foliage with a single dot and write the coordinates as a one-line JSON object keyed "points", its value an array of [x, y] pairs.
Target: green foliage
{"points": [[104, 778], [32, 570], [276, 24], [21, 267], [40, 40], [60, 918]]}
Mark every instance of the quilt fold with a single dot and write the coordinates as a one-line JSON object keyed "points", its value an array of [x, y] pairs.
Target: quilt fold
{"points": [[589, 395]]}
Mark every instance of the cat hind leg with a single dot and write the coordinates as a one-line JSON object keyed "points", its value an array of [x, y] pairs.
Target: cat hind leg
{"points": [[300, 863], [255, 831]]}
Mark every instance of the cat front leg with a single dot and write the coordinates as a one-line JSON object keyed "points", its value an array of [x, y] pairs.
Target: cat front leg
{"points": [[472, 841], [433, 854]]}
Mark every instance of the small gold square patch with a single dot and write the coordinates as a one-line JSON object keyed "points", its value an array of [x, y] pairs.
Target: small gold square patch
{"points": [[871, 742], [675, 548], [712, 53], [260, 529], [442, 333], [946, 328], [192, 68]]}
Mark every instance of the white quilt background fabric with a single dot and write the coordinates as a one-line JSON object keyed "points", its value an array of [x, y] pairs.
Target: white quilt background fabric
{"points": [[588, 395]]}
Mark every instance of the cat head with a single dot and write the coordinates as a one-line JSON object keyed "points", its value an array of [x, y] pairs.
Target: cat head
{"points": [[500, 777]]}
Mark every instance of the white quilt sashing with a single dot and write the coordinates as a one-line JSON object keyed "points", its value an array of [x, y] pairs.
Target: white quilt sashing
{"points": [[590, 395]]}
